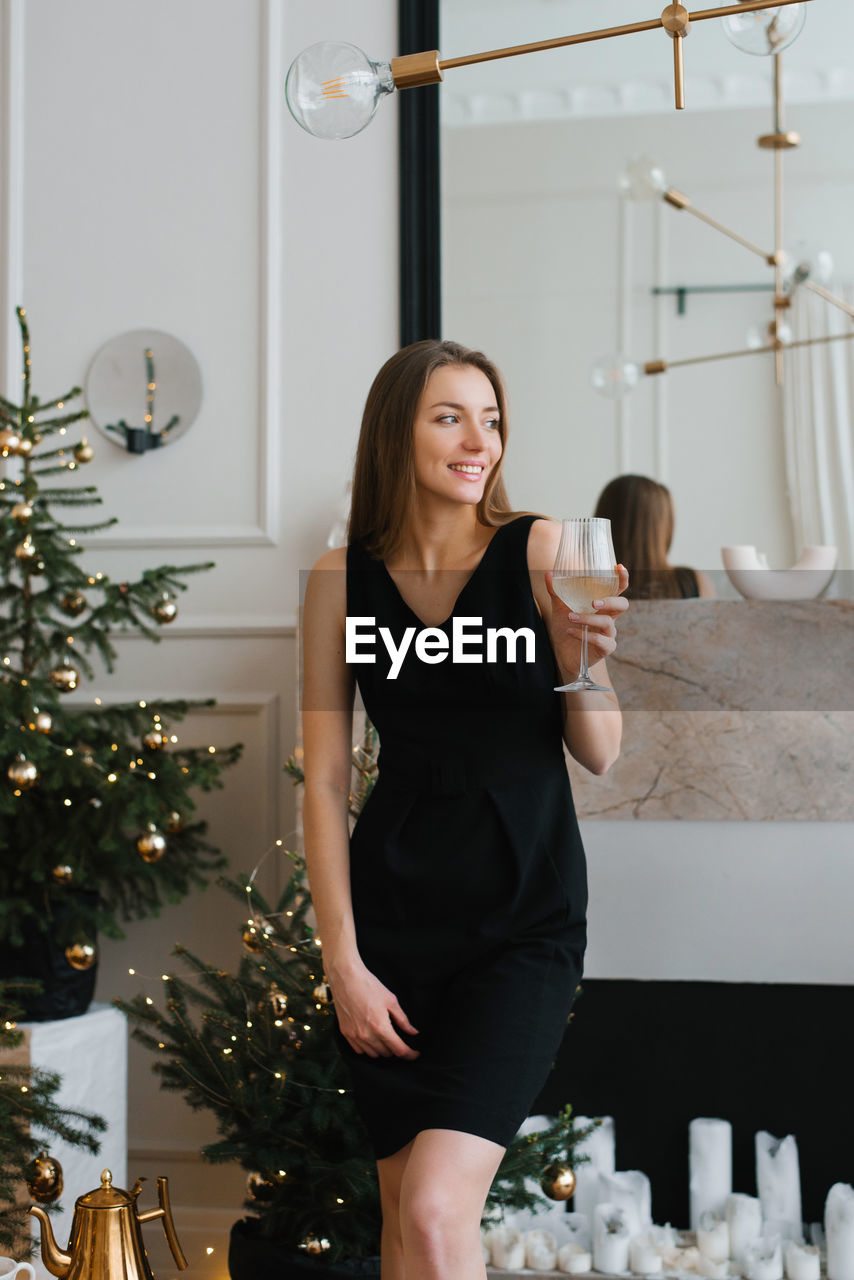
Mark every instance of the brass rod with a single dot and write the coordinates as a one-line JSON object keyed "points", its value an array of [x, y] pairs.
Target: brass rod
{"points": [[755, 351], [778, 95], [727, 231], [829, 297], [678, 72], [584, 37]]}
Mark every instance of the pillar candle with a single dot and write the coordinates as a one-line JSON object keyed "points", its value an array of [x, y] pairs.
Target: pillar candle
{"points": [[611, 1236], [644, 1257], [630, 1191], [744, 1218], [710, 1161], [540, 1251], [803, 1261], [713, 1237], [574, 1260], [778, 1182], [712, 1268], [763, 1259], [599, 1147], [839, 1230], [507, 1248]]}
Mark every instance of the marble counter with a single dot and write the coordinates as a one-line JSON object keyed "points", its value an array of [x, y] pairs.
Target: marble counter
{"points": [[739, 710]]}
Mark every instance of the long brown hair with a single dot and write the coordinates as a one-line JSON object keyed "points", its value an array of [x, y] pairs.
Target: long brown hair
{"points": [[384, 474], [641, 515]]}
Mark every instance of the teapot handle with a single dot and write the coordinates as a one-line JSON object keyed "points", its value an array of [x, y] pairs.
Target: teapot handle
{"points": [[165, 1212]]}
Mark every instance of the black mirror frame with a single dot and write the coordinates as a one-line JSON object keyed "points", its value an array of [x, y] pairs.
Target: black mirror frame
{"points": [[419, 161]]}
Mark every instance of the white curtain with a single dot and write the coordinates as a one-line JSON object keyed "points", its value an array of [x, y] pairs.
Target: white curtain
{"points": [[818, 423]]}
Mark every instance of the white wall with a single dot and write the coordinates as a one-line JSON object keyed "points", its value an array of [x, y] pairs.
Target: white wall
{"points": [[153, 178]]}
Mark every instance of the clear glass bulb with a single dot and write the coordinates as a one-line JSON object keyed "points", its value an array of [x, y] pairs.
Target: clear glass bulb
{"points": [[332, 89], [614, 376], [765, 31], [784, 332], [807, 261], [642, 179]]}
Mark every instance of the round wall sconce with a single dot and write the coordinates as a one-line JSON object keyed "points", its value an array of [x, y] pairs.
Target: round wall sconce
{"points": [[144, 389]]}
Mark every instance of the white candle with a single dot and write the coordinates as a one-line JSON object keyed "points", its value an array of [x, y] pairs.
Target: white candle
{"points": [[713, 1237], [803, 1261], [763, 1259], [540, 1251], [574, 1260], [710, 1165], [712, 1268], [577, 1225], [611, 1237], [600, 1148], [744, 1218], [644, 1258], [778, 1182], [630, 1191], [839, 1229], [507, 1248]]}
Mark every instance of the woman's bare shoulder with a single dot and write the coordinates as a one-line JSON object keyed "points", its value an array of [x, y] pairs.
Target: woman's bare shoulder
{"points": [[334, 559], [543, 540]]}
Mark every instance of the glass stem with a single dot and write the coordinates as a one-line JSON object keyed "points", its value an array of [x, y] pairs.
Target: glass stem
{"points": [[583, 673]]}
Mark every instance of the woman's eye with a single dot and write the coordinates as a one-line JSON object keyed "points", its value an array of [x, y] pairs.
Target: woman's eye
{"points": [[493, 422], [448, 417]]}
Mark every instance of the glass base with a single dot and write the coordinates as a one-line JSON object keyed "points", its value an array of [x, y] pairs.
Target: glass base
{"points": [[582, 683]]}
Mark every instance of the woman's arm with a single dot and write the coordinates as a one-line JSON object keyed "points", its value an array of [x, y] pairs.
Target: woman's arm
{"points": [[363, 1006], [592, 722]]}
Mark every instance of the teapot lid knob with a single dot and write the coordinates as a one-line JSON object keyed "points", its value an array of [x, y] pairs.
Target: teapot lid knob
{"points": [[106, 1178]]}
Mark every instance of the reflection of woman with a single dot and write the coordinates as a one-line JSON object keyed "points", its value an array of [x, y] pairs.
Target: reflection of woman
{"points": [[453, 923], [641, 515]]}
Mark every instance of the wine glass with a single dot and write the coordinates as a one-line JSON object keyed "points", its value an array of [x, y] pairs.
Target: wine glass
{"points": [[584, 571]]}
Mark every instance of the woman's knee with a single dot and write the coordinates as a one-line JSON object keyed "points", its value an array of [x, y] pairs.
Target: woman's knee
{"points": [[435, 1222]]}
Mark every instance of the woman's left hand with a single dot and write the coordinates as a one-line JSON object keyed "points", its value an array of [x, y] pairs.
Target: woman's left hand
{"points": [[565, 627]]}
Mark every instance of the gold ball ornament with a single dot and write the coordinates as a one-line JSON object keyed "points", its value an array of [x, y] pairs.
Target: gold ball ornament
{"points": [[155, 739], [23, 773], [42, 721], [83, 452], [74, 603], [22, 512], [257, 935], [165, 611], [314, 1247], [81, 955], [62, 874], [278, 1002], [26, 550], [258, 1187], [44, 1178], [322, 994], [176, 822], [151, 845], [65, 678], [558, 1181], [9, 441]]}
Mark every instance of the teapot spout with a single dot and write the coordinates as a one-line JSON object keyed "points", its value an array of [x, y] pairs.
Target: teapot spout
{"points": [[53, 1258]]}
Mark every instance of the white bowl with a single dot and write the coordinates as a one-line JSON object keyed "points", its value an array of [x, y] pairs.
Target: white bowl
{"points": [[748, 572]]}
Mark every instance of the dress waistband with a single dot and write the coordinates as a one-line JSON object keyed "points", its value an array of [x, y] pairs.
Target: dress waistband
{"points": [[452, 775]]}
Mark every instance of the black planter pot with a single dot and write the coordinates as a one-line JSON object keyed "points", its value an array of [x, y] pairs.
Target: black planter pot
{"points": [[64, 992], [250, 1256]]}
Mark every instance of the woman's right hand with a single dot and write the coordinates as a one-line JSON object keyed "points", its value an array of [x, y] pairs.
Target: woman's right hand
{"points": [[369, 1014]]}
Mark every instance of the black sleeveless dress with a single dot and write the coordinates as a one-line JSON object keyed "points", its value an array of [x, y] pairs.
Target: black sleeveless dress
{"points": [[467, 870]]}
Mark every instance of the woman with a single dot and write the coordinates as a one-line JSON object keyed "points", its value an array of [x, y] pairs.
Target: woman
{"points": [[452, 922], [641, 515]]}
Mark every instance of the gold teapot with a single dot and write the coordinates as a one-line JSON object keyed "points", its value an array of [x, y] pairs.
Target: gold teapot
{"points": [[106, 1242]]}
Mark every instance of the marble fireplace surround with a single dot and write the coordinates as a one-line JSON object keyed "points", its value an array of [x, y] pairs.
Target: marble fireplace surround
{"points": [[733, 709]]}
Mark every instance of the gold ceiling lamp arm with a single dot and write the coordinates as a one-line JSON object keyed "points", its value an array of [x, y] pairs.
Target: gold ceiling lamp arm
{"points": [[663, 366], [680, 201], [676, 23], [829, 297]]}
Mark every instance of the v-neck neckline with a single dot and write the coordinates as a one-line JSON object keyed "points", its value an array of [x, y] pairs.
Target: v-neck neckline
{"points": [[437, 626]]}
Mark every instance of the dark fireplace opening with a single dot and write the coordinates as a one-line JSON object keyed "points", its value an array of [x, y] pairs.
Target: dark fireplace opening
{"points": [[655, 1055]]}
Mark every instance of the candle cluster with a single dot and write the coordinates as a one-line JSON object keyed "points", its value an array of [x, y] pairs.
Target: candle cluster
{"points": [[611, 1231]]}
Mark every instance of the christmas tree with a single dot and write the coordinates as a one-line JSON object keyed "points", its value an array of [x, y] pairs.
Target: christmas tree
{"points": [[96, 820], [257, 1049], [27, 1105]]}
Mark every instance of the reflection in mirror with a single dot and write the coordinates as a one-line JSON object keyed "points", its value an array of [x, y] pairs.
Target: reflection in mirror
{"points": [[144, 389], [548, 269]]}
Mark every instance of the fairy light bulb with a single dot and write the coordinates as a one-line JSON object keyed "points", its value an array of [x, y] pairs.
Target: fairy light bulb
{"points": [[614, 376], [332, 89], [765, 31], [641, 180]]}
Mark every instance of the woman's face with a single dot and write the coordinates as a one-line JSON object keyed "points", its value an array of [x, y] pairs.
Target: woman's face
{"points": [[457, 437]]}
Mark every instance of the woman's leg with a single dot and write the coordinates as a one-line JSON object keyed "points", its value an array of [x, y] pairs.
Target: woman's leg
{"points": [[390, 1173], [445, 1180]]}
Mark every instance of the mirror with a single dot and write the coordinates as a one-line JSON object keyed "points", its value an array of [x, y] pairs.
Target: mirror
{"points": [[144, 389], [547, 269]]}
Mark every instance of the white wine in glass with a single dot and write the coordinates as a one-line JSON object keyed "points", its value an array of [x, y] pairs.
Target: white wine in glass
{"points": [[584, 571]]}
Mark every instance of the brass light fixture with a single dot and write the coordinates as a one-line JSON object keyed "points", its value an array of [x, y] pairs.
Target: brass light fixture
{"points": [[333, 89]]}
